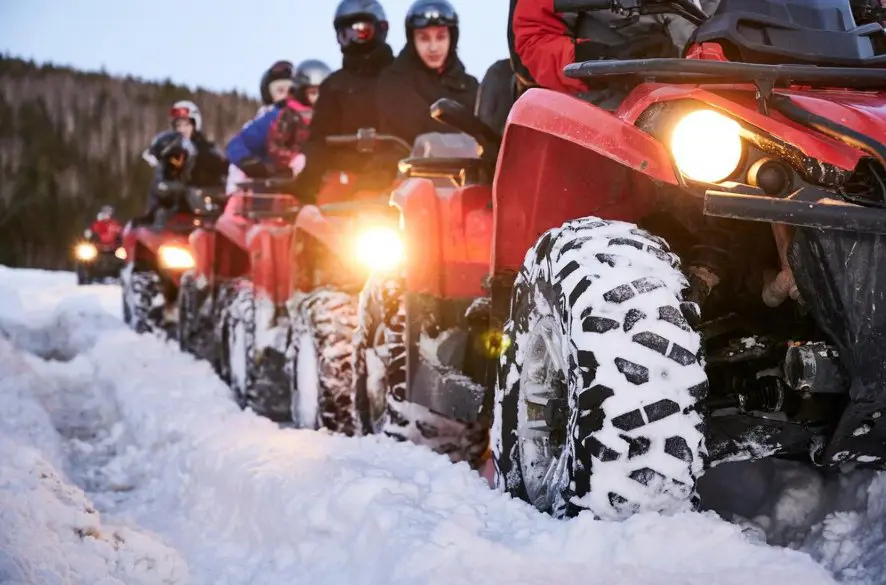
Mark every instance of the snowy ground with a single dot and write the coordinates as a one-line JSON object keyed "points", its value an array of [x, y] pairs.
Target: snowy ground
{"points": [[125, 461]]}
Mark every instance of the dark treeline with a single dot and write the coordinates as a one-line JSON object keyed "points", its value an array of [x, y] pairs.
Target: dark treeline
{"points": [[71, 141]]}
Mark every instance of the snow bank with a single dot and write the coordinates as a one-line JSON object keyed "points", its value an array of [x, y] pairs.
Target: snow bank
{"points": [[50, 533], [160, 445]]}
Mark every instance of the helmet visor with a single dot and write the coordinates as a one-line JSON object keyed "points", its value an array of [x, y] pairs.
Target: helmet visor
{"points": [[360, 33], [433, 15], [180, 112]]}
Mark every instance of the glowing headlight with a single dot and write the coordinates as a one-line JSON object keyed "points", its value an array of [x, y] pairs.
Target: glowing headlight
{"points": [[175, 257], [707, 146], [85, 251], [379, 248], [120, 253]]}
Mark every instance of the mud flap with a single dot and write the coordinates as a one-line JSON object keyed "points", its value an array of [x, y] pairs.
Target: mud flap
{"points": [[842, 278]]}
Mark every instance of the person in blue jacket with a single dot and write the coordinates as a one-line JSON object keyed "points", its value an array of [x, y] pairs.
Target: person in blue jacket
{"points": [[270, 144]]}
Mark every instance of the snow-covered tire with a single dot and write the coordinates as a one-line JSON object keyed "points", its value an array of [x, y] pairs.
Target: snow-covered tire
{"points": [[257, 376], [458, 440], [196, 331], [604, 299], [222, 363], [379, 351], [321, 360], [145, 300]]}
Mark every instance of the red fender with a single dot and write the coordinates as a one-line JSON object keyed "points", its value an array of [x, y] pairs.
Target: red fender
{"points": [[563, 158]]}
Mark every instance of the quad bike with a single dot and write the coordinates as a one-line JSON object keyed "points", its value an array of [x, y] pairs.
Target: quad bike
{"points": [[97, 262], [157, 254], [690, 279], [350, 232], [232, 304]]}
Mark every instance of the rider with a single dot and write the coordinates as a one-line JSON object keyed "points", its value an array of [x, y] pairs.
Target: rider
{"points": [[105, 229], [543, 43], [496, 95], [183, 155], [868, 11], [427, 69], [347, 100], [270, 145]]}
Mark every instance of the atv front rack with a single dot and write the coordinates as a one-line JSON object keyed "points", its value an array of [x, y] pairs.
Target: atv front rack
{"points": [[695, 71]]}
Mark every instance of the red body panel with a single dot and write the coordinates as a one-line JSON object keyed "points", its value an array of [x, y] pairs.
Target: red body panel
{"points": [[562, 158], [448, 237], [141, 243], [239, 246]]}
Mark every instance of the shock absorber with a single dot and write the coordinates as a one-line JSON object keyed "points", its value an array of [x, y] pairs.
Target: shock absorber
{"points": [[709, 261], [766, 394]]}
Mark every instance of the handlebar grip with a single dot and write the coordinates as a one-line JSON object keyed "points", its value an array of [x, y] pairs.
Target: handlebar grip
{"points": [[579, 5]]}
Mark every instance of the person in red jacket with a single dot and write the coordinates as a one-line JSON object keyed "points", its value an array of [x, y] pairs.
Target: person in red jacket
{"points": [[105, 230], [543, 42]]}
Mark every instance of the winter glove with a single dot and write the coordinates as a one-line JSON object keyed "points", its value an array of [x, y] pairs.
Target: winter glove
{"points": [[254, 168]]}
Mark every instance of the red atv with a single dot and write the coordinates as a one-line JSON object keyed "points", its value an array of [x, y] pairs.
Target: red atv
{"points": [[690, 279], [232, 308], [349, 232], [98, 261], [157, 253]]}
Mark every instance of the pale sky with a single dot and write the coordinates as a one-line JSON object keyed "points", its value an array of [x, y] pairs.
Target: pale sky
{"points": [[216, 44]]}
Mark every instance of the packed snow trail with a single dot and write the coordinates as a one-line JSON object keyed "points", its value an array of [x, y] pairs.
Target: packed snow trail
{"points": [[183, 487]]}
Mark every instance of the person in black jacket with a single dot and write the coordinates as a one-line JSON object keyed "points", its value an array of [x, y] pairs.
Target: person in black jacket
{"points": [[348, 97], [497, 94], [427, 69]]}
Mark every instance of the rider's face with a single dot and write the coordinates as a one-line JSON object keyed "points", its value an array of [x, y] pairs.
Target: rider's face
{"points": [[279, 89], [312, 93], [185, 126], [432, 46]]}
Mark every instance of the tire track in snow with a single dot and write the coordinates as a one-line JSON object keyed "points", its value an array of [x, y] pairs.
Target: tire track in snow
{"points": [[160, 444]]}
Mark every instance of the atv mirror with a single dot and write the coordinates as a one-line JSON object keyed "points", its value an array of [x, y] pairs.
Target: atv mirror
{"points": [[458, 116]]}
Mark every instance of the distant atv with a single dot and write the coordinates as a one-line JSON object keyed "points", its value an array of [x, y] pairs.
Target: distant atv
{"points": [[691, 279], [97, 262], [158, 253], [337, 243], [232, 304]]}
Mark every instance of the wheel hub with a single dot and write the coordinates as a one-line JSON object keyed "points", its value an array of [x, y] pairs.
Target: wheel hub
{"points": [[543, 416]]}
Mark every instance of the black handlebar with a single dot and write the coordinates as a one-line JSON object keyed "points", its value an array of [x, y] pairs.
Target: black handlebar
{"points": [[366, 138], [579, 5], [685, 8]]}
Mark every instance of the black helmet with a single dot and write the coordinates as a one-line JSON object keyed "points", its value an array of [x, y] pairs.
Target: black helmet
{"points": [[310, 73], [352, 13], [426, 13], [276, 72]]}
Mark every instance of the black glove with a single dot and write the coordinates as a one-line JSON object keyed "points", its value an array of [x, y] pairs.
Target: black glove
{"points": [[254, 168]]}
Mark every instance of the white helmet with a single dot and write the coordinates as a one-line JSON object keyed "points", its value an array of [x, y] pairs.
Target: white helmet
{"points": [[187, 109]]}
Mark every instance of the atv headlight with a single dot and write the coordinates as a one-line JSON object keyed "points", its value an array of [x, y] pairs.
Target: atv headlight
{"points": [[120, 253], [707, 146], [379, 248], [175, 257], [85, 252]]}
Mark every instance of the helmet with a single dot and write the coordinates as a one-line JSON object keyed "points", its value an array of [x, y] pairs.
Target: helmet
{"points": [[186, 109], [426, 13], [309, 73], [360, 23], [106, 212], [278, 71]]}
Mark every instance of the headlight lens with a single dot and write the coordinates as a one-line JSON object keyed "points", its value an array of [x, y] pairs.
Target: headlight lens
{"points": [[707, 146], [175, 257], [85, 251], [120, 253], [379, 248]]}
